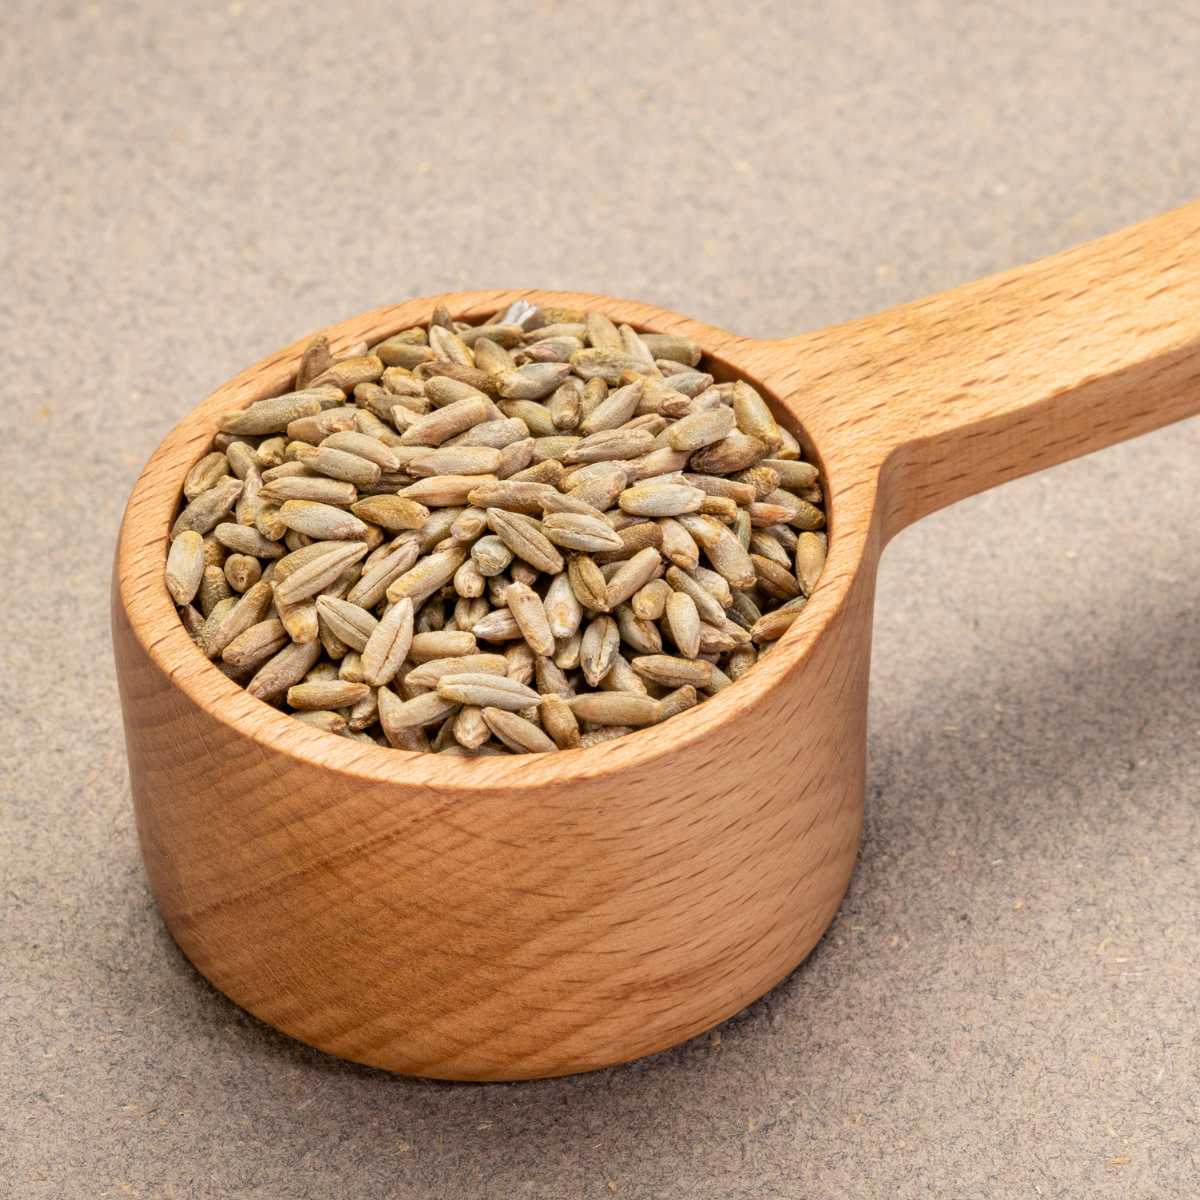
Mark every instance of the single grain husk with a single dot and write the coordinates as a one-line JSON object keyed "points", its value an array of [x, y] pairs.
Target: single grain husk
{"points": [[516, 733], [299, 619], [607, 364], [379, 573], [587, 582], [498, 626], [361, 445], [397, 716], [469, 580], [722, 548], [763, 543], [547, 471], [470, 729], [499, 434], [558, 720], [388, 644], [741, 659], [443, 423], [524, 537], [512, 495], [286, 668], [733, 453], [622, 677], [242, 571], [185, 566], [443, 491], [536, 418], [683, 622], [323, 563], [770, 627], [646, 535], [794, 475], [320, 488], [567, 650], [193, 621], [254, 646], [427, 575], [718, 682], [322, 522], [810, 554], [649, 602], [486, 690], [314, 361], [273, 415], [775, 580], [326, 694], [393, 513], [762, 478], [680, 700], [714, 583], [530, 614], [671, 671], [694, 432], [457, 460], [366, 422], [614, 410], [351, 668], [638, 635], [754, 418], [661, 499], [209, 508], [211, 468], [550, 678], [346, 373], [672, 347], [244, 539], [566, 405], [564, 611], [427, 674], [441, 643], [631, 575], [610, 445], [616, 708], [723, 509], [491, 556], [599, 484], [345, 621], [716, 485], [579, 531], [214, 588], [678, 546], [245, 509], [365, 713]]}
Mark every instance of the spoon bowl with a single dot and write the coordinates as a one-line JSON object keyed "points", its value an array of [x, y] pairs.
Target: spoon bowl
{"points": [[505, 918]]}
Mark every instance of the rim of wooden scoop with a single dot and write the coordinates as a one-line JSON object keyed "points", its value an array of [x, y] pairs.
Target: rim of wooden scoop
{"points": [[142, 550]]}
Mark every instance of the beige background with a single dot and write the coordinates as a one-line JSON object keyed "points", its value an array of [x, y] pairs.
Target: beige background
{"points": [[1007, 1005]]}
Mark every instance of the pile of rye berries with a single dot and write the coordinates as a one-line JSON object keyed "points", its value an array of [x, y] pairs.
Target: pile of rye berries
{"points": [[536, 533]]}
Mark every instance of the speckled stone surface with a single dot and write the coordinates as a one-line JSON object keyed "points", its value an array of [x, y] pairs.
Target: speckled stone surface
{"points": [[1007, 1004]]}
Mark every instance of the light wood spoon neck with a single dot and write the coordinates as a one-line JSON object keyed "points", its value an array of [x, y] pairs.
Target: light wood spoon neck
{"points": [[953, 394]]}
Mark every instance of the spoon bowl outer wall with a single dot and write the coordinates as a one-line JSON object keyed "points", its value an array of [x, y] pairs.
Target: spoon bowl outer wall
{"points": [[496, 918]]}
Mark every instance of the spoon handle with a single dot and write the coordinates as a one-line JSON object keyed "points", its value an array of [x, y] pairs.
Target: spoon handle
{"points": [[1020, 371]]}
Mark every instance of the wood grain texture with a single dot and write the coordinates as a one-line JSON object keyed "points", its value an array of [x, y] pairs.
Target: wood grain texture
{"points": [[509, 918]]}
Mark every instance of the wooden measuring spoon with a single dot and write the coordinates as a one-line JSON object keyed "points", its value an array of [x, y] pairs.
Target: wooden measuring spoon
{"points": [[514, 917]]}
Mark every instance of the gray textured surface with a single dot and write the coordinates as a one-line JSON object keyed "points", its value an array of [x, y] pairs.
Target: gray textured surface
{"points": [[1007, 1005]]}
